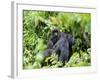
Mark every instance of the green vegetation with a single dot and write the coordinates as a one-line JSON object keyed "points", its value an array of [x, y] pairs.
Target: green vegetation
{"points": [[36, 32]]}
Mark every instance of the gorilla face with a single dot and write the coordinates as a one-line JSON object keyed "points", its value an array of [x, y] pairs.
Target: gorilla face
{"points": [[55, 32]]}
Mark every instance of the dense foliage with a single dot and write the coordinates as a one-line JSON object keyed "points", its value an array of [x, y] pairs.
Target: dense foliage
{"points": [[37, 27]]}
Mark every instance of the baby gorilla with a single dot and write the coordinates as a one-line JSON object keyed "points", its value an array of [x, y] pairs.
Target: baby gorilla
{"points": [[61, 44]]}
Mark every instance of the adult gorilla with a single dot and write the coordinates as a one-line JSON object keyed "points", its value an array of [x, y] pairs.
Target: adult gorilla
{"points": [[61, 44]]}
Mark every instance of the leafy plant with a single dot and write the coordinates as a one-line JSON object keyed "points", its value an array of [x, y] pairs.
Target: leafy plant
{"points": [[37, 27]]}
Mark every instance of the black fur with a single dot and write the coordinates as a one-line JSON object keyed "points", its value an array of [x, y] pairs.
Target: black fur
{"points": [[61, 44]]}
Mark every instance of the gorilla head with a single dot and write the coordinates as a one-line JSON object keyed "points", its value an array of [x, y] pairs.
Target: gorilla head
{"points": [[55, 32]]}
